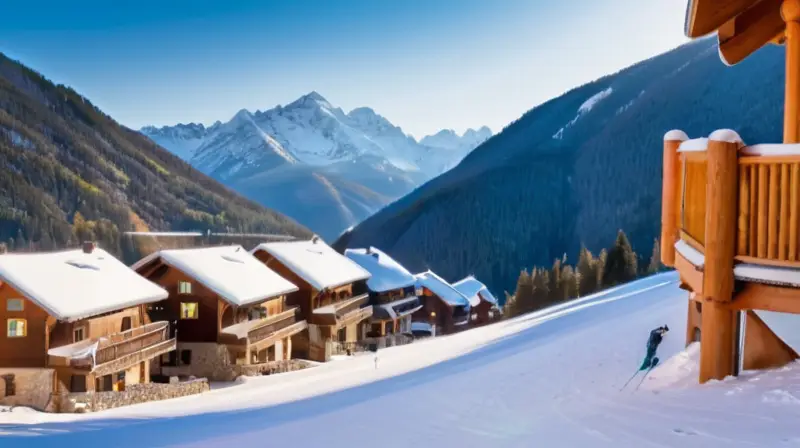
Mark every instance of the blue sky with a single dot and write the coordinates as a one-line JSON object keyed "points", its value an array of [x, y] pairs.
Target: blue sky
{"points": [[423, 64]]}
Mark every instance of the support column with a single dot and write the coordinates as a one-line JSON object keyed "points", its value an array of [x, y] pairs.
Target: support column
{"points": [[669, 196], [718, 326], [790, 11]]}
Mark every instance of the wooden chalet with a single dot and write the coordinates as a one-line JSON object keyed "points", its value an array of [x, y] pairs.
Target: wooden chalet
{"points": [[325, 297], [392, 291], [228, 308], [484, 306], [444, 307], [731, 211], [75, 321]]}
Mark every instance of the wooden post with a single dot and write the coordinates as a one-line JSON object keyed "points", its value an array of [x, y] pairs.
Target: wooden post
{"points": [[718, 326], [790, 11], [669, 196]]}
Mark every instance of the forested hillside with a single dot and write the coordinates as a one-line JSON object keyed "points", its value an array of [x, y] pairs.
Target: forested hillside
{"points": [[68, 172], [576, 169]]}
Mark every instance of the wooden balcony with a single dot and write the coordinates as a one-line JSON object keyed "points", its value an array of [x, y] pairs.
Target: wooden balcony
{"points": [[117, 351], [264, 332], [343, 312], [731, 228]]}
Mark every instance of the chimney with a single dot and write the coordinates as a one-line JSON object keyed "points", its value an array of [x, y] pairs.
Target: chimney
{"points": [[88, 247], [315, 239]]}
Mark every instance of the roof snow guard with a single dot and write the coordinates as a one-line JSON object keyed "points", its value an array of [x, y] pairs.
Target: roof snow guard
{"points": [[77, 284], [742, 26]]}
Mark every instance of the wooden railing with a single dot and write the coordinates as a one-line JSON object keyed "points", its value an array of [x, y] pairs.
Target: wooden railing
{"points": [[767, 202], [132, 341], [270, 326], [767, 227], [352, 305]]}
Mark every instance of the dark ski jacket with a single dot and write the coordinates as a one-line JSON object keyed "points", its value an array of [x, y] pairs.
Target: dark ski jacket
{"points": [[654, 340]]}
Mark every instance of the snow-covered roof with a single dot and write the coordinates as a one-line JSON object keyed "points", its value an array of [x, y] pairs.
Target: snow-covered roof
{"points": [[315, 262], [230, 271], [387, 274], [441, 288], [474, 290], [72, 284]]}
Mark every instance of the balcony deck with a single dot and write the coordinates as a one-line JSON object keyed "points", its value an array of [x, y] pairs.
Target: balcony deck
{"points": [[344, 312], [117, 351], [265, 332]]}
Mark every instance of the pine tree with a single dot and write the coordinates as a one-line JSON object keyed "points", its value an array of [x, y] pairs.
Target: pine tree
{"points": [[587, 273], [555, 284], [621, 264], [655, 259], [523, 297], [570, 283], [541, 288]]}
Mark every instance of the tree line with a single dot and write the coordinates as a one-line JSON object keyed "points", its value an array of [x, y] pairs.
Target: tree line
{"points": [[543, 287]]}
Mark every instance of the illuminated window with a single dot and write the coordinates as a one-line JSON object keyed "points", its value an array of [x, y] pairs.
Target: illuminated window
{"points": [[15, 305], [189, 310], [185, 288], [17, 328]]}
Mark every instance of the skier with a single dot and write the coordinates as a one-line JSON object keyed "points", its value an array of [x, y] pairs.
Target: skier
{"points": [[650, 359]]}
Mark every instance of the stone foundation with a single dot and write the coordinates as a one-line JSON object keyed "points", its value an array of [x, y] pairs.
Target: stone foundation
{"points": [[273, 367], [209, 360], [136, 393], [27, 387]]}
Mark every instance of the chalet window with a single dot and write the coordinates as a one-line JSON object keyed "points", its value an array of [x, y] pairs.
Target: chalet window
{"points": [[184, 288], [77, 383], [186, 357], [474, 316], [15, 305], [78, 335], [189, 310], [126, 323], [17, 328], [11, 387]]}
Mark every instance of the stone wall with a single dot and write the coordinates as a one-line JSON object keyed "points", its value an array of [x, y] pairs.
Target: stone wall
{"points": [[209, 360], [32, 387], [133, 394], [272, 367]]}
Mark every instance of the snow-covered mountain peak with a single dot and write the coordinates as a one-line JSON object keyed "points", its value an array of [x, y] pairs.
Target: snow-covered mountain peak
{"points": [[450, 140]]}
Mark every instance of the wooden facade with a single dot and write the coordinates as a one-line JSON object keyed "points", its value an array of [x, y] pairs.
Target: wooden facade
{"points": [[437, 311], [393, 310], [126, 343], [258, 333], [731, 212], [333, 314]]}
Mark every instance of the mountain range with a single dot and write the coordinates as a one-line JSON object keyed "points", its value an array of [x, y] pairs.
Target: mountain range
{"points": [[576, 169], [323, 167], [70, 173]]}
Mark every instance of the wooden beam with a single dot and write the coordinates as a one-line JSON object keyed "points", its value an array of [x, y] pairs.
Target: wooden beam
{"points": [[706, 16], [689, 274], [757, 296], [669, 196], [790, 12], [754, 28]]}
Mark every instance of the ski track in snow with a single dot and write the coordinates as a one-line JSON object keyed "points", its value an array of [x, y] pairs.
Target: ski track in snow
{"points": [[550, 378]]}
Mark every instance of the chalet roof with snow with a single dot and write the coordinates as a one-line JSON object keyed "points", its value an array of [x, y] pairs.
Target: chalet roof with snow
{"points": [[315, 262], [441, 288], [73, 284], [474, 290], [387, 274], [230, 271]]}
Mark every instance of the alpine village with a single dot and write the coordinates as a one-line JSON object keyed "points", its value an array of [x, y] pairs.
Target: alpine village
{"points": [[85, 332]]}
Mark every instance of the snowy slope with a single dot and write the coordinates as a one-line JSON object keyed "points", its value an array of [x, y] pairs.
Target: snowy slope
{"points": [[549, 378]]}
